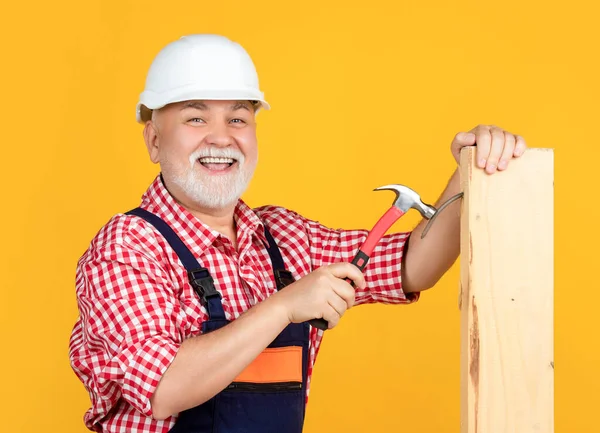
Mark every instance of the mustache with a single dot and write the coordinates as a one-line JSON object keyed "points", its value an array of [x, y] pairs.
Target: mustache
{"points": [[214, 152]]}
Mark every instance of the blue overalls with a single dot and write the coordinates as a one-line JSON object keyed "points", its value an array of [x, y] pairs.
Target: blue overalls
{"points": [[244, 406]]}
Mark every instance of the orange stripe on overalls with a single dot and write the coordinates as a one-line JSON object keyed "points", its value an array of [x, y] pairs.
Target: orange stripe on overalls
{"points": [[277, 364]]}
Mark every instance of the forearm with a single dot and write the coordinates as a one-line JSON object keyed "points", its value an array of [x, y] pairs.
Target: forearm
{"points": [[428, 259], [206, 364]]}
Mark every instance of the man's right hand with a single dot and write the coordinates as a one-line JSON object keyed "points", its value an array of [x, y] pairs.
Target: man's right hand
{"points": [[207, 363], [323, 293]]}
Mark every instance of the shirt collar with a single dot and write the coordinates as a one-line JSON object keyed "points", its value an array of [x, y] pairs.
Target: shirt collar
{"points": [[248, 222], [197, 235]]}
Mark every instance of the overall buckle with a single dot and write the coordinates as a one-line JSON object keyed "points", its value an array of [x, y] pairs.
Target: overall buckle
{"points": [[283, 278], [203, 284]]}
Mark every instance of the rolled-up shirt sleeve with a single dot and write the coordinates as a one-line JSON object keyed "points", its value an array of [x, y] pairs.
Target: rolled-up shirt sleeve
{"points": [[129, 321], [326, 246], [383, 273]]}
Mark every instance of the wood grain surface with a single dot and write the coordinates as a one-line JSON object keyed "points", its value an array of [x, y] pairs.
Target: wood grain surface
{"points": [[507, 295]]}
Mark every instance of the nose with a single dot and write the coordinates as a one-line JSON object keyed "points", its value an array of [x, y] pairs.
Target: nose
{"points": [[219, 135]]}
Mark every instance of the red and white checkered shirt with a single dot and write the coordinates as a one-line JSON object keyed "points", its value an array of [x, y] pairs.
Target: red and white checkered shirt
{"points": [[136, 305]]}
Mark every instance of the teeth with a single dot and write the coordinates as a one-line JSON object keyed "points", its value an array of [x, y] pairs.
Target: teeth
{"points": [[216, 160]]}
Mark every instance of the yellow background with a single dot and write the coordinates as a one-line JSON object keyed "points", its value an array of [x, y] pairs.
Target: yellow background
{"points": [[362, 96]]}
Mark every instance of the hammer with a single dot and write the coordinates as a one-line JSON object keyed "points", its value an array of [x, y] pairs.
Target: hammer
{"points": [[406, 199]]}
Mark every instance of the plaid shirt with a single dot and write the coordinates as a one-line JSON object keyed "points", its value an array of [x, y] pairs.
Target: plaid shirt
{"points": [[136, 305]]}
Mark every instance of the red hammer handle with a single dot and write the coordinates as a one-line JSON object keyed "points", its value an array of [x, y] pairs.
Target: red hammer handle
{"points": [[362, 257], [381, 227]]}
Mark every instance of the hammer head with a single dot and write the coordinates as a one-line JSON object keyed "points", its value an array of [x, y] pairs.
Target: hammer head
{"points": [[407, 198]]}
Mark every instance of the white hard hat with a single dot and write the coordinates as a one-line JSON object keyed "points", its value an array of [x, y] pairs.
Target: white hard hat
{"points": [[199, 67]]}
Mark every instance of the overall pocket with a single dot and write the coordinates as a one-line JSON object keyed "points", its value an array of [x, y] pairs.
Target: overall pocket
{"points": [[267, 397]]}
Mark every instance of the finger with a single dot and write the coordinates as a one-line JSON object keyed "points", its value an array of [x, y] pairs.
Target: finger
{"points": [[338, 303], [520, 146], [495, 150], [507, 152], [348, 270], [331, 316], [484, 142], [345, 292]]}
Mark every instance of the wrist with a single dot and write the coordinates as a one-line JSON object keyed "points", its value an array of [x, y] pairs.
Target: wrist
{"points": [[279, 306]]}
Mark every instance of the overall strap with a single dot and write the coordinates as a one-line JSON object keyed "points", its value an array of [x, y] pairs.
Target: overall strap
{"points": [[283, 277], [199, 277]]}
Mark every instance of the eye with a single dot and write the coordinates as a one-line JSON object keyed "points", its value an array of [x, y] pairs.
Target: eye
{"points": [[196, 120], [238, 120]]}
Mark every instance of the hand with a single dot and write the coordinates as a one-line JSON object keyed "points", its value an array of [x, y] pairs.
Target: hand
{"points": [[495, 147], [322, 294]]}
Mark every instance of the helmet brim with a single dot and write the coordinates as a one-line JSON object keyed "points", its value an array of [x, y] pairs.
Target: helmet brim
{"points": [[151, 101]]}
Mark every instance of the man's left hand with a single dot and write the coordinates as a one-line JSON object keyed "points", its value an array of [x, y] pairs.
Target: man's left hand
{"points": [[495, 146]]}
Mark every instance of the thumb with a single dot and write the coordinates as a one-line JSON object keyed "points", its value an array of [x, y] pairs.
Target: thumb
{"points": [[463, 139]]}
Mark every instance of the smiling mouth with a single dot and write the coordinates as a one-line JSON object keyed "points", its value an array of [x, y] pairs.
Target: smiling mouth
{"points": [[216, 164]]}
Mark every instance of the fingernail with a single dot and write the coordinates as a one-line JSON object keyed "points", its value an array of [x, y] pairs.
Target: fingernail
{"points": [[491, 168], [482, 162], [502, 165], [518, 151]]}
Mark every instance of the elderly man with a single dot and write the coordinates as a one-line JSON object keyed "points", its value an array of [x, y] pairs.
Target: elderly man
{"points": [[194, 308]]}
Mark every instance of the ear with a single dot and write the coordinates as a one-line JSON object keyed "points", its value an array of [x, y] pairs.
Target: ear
{"points": [[152, 141]]}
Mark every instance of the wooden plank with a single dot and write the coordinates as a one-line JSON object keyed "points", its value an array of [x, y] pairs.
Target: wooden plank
{"points": [[507, 295]]}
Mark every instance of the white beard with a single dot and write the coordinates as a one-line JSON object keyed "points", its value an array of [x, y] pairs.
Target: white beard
{"points": [[213, 192]]}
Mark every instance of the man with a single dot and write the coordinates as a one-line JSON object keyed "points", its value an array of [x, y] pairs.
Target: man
{"points": [[195, 308]]}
